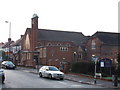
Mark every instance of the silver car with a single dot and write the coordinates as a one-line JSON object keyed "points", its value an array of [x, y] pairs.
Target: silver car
{"points": [[51, 72]]}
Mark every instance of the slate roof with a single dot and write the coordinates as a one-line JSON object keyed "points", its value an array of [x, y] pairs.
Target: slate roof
{"points": [[17, 43], [108, 37], [56, 35], [6, 44]]}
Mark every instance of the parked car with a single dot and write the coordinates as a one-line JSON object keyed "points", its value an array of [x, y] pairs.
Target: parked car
{"points": [[51, 72], [2, 76], [8, 65]]}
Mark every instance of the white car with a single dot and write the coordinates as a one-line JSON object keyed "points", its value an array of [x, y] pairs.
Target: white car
{"points": [[51, 72]]}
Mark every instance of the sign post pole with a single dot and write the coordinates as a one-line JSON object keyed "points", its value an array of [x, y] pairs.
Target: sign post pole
{"points": [[95, 58]]}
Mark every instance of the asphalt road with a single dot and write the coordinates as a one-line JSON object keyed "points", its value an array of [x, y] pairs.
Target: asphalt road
{"points": [[22, 79]]}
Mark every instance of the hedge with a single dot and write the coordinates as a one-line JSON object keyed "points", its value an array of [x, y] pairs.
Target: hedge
{"points": [[83, 67], [88, 67]]}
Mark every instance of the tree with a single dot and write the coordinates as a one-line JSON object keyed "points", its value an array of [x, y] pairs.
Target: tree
{"points": [[118, 58], [2, 54]]}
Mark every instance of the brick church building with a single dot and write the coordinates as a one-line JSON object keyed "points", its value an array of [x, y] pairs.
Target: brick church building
{"points": [[103, 45], [51, 47]]}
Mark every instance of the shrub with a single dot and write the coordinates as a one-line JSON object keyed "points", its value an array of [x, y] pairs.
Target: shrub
{"points": [[84, 67], [118, 71]]}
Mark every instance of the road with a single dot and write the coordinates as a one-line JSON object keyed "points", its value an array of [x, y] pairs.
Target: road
{"points": [[23, 79]]}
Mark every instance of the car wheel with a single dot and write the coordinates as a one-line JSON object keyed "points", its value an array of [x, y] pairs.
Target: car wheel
{"points": [[50, 76], [5, 67], [40, 74], [3, 79]]}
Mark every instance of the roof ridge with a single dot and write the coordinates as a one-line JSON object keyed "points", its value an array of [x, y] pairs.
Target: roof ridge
{"points": [[60, 31], [108, 32]]}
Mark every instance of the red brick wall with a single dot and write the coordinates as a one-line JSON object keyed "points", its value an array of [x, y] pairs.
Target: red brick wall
{"points": [[91, 51], [54, 55], [102, 50], [33, 43], [34, 32]]}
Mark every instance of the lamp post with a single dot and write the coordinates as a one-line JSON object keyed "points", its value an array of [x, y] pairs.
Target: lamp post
{"points": [[9, 28], [9, 39], [95, 60], [75, 56]]}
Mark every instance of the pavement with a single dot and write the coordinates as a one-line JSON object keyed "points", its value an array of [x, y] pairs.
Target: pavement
{"points": [[78, 78]]}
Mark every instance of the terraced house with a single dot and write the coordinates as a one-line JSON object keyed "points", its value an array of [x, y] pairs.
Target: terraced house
{"points": [[51, 47]]}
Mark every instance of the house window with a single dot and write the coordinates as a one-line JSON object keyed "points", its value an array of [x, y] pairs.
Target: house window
{"points": [[49, 44], [44, 52], [68, 45], [40, 52], [27, 42], [58, 44], [63, 48], [40, 44], [28, 56], [93, 44], [80, 56]]}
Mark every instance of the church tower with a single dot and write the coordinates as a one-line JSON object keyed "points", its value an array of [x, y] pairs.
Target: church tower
{"points": [[34, 30]]}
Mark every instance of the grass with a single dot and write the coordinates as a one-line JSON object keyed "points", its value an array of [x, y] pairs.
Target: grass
{"points": [[86, 75], [110, 78]]}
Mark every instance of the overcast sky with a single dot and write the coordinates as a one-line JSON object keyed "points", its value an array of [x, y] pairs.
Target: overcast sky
{"points": [[86, 16]]}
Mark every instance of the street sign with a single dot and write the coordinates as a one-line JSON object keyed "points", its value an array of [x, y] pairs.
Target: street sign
{"points": [[105, 62], [102, 64], [94, 58]]}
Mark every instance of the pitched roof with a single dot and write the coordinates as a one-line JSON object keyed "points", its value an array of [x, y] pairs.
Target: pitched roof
{"points": [[17, 43], [56, 35], [108, 37], [6, 44], [1, 44]]}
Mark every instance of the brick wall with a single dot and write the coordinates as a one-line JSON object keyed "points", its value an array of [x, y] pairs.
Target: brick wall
{"points": [[102, 50]]}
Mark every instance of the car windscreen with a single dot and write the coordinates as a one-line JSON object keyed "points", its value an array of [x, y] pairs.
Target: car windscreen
{"points": [[10, 63], [53, 69]]}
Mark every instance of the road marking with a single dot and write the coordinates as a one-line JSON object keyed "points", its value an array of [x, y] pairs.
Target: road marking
{"points": [[62, 82], [76, 85]]}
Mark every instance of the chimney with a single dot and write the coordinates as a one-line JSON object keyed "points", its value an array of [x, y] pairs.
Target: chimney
{"points": [[9, 39], [22, 36], [34, 30]]}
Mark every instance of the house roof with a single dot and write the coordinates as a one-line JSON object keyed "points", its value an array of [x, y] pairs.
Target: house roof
{"points": [[56, 35], [108, 37], [17, 43], [6, 44], [1, 44]]}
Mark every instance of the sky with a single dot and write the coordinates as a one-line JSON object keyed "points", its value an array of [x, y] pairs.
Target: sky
{"points": [[86, 16]]}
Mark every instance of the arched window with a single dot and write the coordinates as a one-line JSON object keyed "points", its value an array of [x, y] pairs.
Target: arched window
{"points": [[93, 44]]}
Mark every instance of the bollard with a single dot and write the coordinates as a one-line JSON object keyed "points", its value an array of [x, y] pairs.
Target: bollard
{"points": [[94, 81], [115, 80]]}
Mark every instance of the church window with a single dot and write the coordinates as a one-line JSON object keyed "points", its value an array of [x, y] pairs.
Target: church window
{"points": [[93, 44]]}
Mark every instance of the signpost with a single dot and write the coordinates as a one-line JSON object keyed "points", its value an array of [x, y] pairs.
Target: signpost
{"points": [[102, 64], [105, 62], [95, 58]]}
